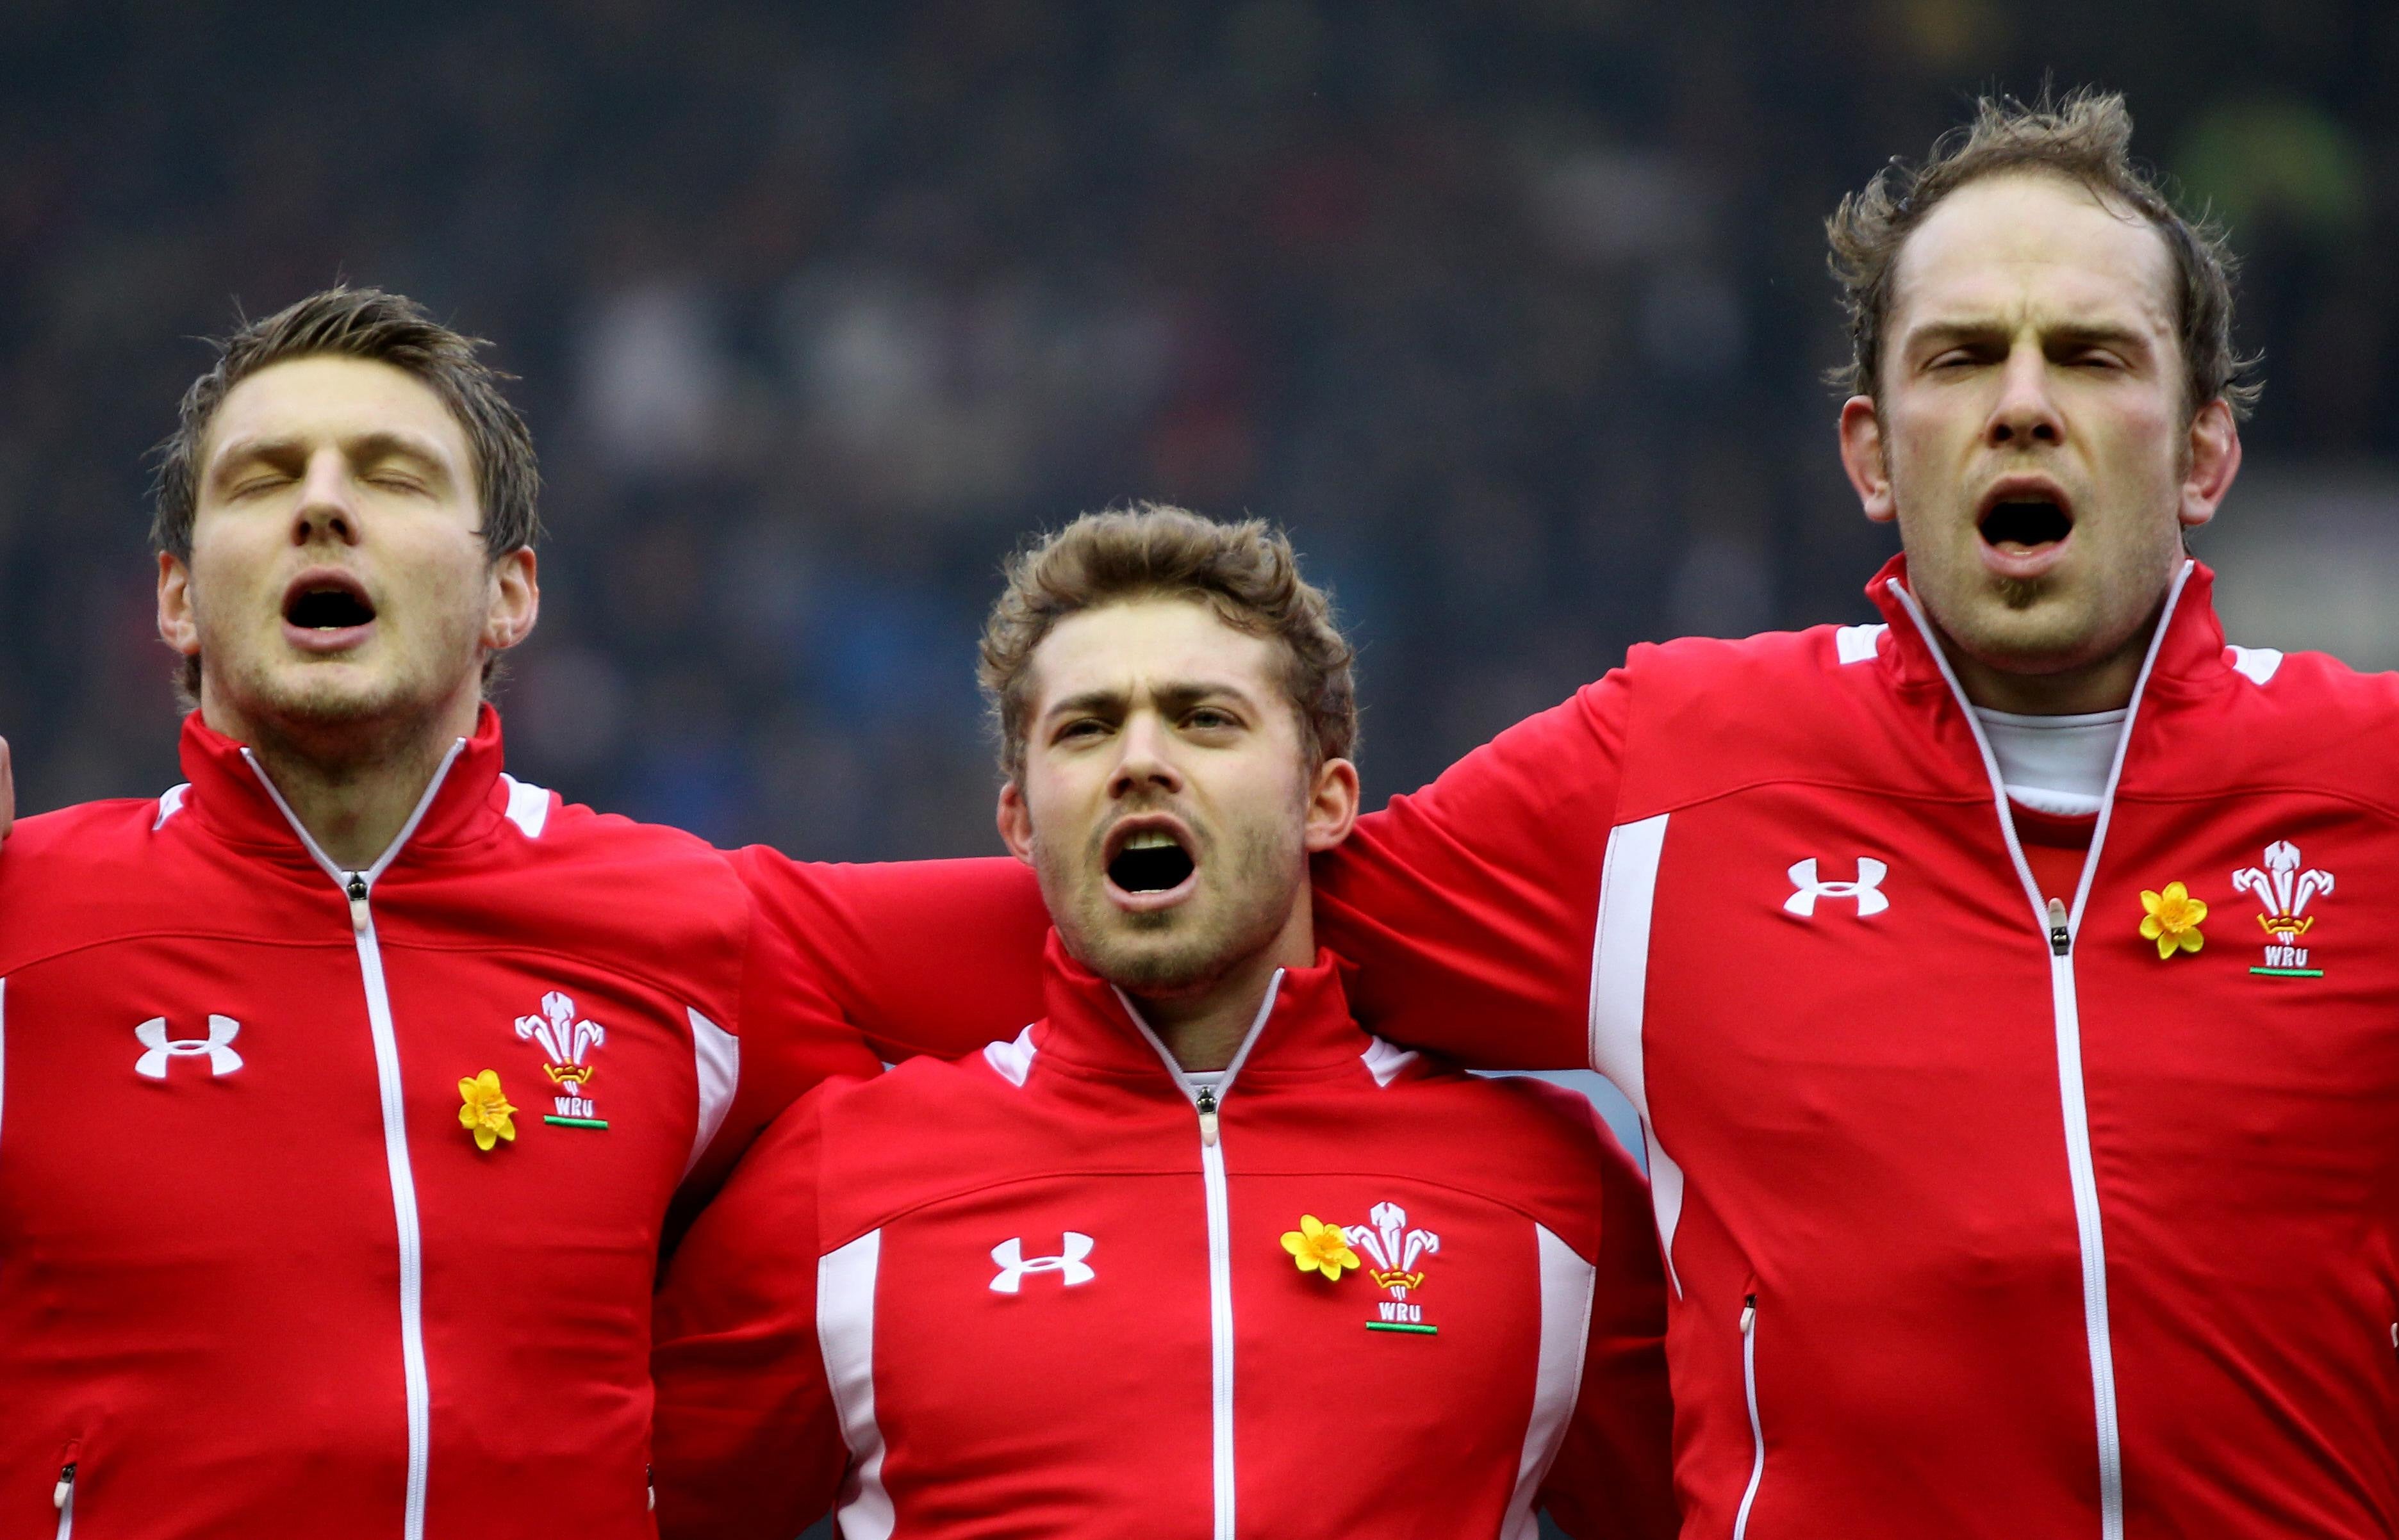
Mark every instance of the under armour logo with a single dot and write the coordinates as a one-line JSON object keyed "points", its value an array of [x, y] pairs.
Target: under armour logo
{"points": [[1867, 890], [1014, 1263], [217, 1045]]}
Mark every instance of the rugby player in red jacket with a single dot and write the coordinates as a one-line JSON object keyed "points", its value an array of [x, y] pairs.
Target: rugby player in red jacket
{"points": [[344, 1090], [1999, 986], [1193, 1255]]}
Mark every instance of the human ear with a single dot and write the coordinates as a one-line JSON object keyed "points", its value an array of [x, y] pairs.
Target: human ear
{"points": [[516, 600], [1864, 458], [177, 626], [2212, 460], [1015, 822], [1332, 804]]}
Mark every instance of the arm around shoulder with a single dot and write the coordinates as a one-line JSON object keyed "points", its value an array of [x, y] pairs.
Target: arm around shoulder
{"points": [[1468, 906], [936, 957]]}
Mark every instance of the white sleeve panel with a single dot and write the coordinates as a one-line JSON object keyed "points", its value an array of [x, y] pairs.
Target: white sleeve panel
{"points": [[1566, 1285], [1620, 992], [717, 1056], [845, 1281]]}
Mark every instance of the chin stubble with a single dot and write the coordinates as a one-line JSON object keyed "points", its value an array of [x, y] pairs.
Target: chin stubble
{"points": [[1175, 949]]}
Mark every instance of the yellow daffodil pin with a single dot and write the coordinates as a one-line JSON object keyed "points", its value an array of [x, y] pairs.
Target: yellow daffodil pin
{"points": [[486, 1113], [1320, 1248], [2173, 920]]}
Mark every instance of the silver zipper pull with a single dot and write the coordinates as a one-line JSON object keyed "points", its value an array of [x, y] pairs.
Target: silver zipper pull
{"points": [[1206, 1103], [357, 891], [2060, 939], [1748, 1313], [65, 1488]]}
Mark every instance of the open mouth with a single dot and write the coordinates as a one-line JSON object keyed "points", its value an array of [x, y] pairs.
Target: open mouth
{"points": [[328, 605], [2024, 522], [1151, 860]]}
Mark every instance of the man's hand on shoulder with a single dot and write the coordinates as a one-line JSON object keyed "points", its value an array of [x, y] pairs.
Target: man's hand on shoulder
{"points": [[7, 790]]}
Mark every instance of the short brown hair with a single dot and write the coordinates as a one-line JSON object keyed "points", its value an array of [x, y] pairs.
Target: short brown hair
{"points": [[383, 328], [2085, 137], [1247, 573]]}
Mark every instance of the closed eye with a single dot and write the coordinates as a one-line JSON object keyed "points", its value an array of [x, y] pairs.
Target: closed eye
{"points": [[253, 485]]}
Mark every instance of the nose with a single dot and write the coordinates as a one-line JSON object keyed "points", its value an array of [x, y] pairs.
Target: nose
{"points": [[1145, 757], [2026, 412], [328, 508]]}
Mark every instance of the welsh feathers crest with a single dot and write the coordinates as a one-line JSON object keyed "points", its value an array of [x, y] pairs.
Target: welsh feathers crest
{"points": [[2285, 886], [561, 1036], [567, 1041]]}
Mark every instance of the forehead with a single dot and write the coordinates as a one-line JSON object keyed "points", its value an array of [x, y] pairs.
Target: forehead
{"points": [[1143, 644], [327, 398], [2033, 246]]}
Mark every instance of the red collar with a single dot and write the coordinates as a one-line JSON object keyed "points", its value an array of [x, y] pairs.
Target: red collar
{"points": [[1307, 1032], [229, 795], [2190, 657]]}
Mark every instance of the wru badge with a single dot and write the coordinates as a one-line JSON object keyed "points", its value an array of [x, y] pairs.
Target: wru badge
{"points": [[567, 1041]]}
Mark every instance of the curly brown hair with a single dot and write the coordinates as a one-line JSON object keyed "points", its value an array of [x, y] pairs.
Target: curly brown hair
{"points": [[1246, 573], [2086, 138]]}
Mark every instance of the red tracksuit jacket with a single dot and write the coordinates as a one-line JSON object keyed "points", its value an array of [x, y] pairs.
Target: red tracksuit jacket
{"points": [[1044, 1292], [1975, 1225], [256, 1278]]}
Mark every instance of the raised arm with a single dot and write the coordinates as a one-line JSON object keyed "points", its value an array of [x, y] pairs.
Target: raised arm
{"points": [[1613, 1478], [1468, 906], [746, 1443], [936, 957]]}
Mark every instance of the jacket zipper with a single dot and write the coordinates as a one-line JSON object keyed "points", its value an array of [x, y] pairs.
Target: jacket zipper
{"points": [[1756, 1427], [358, 887], [1205, 1100], [63, 1499], [1220, 1304], [2059, 926]]}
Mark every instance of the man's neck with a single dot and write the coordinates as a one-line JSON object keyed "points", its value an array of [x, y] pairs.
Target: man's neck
{"points": [[1204, 1029], [352, 787], [2103, 685]]}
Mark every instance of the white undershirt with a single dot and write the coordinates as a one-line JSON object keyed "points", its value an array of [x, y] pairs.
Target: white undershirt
{"points": [[2054, 764]]}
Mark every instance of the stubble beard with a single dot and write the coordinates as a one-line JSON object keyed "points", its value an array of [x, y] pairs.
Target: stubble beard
{"points": [[1180, 951], [325, 713]]}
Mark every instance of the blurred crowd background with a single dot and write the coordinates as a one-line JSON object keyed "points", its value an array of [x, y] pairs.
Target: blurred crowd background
{"points": [[1513, 311]]}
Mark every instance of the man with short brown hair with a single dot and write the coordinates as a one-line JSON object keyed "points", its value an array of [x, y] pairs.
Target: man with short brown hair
{"points": [[2015, 1078], [1193, 1255], [346, 1089]]}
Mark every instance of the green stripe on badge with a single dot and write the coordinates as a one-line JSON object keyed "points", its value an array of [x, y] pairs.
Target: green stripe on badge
{"points": [[574, 1122], [1396, 1326], [2289, 972]]}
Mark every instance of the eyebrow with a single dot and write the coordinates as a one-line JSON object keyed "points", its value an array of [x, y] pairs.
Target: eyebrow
{"points": [[1950, 333], [379, 445], [1178, 696]]}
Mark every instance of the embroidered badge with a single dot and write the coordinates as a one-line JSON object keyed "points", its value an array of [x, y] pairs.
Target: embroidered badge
{"points": [[486, 1113], [2284, 890], [2173, 920], [1396, 1249], [568, 1043], [1320, 1248]]}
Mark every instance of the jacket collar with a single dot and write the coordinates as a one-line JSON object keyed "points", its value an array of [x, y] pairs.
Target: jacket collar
{"points": [[1304, 1031], [2190, 656], [230, 796]]}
